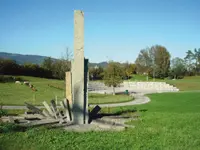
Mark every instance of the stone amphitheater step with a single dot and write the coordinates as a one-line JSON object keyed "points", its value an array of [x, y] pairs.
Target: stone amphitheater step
{"points": [[137, 86]]}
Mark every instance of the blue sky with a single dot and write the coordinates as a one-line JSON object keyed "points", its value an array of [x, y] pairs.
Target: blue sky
{"points": [[114, 29]]}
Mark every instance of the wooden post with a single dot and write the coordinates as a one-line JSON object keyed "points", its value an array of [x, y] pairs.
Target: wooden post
{"points": [[68, 81]]}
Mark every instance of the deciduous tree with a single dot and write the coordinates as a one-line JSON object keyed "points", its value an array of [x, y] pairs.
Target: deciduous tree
{"points": [[154, 61], [113, 75], [178, 68]]}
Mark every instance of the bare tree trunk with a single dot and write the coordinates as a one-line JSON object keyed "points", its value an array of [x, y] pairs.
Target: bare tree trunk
{"points": [[113, 90]]}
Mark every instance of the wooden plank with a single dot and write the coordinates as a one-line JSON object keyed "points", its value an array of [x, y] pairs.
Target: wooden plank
{"points": [[48, 109], [62, 105], [54, 108], [55, 113], [33, 108], [68, 80], [46, 114]]}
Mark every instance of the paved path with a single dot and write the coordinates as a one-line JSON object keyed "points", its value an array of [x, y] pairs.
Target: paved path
{"points": [[139, 98], [18, 107]]}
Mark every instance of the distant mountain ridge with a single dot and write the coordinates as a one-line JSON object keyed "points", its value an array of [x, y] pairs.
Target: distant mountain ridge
{"points": [[21, 59], [37, 59]]}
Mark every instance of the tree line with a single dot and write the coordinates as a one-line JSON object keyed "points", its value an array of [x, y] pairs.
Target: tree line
{"points": [[10, 67], [50, 68], [154, 61]]}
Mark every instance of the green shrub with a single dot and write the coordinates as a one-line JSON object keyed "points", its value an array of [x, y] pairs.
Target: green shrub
{"points": [[4, 79], [3, 112], [9, 127]]}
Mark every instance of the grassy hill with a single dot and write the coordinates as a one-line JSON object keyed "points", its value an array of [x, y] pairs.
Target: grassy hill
{"points": [[47, 89], [11, 93]]}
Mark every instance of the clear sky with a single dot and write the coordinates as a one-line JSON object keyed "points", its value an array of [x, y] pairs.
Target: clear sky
{"points": [[114, 29]]}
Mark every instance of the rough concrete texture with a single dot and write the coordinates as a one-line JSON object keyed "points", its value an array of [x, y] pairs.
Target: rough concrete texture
{"points": [[141, 87], [108, 123], [78, 68]]}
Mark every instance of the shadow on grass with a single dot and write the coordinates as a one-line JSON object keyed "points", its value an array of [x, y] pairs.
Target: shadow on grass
{"points": [[96, 113]]}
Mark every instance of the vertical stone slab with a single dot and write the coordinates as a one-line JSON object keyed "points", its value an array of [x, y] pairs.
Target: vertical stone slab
{"points": [[86, 80], [78, 68], [68, 81]]}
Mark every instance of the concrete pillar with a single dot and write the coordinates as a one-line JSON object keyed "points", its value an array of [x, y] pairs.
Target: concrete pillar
{"points": [[78, 69]]}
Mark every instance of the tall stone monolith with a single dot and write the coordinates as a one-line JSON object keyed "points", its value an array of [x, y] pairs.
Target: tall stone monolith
{"points": [[79, 87]]}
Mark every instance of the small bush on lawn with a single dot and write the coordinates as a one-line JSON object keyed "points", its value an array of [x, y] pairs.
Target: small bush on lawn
{"points": [[9, 127], [3, 113]]}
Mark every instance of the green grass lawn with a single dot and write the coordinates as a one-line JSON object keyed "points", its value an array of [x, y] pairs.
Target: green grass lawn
{"points": [[108, 98], [138, 78], [171, 122], [15, 94], [11, 93], [187, 84]]}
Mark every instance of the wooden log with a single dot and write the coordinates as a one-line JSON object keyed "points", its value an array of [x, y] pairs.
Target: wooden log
{"points": [[33, 108]]}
